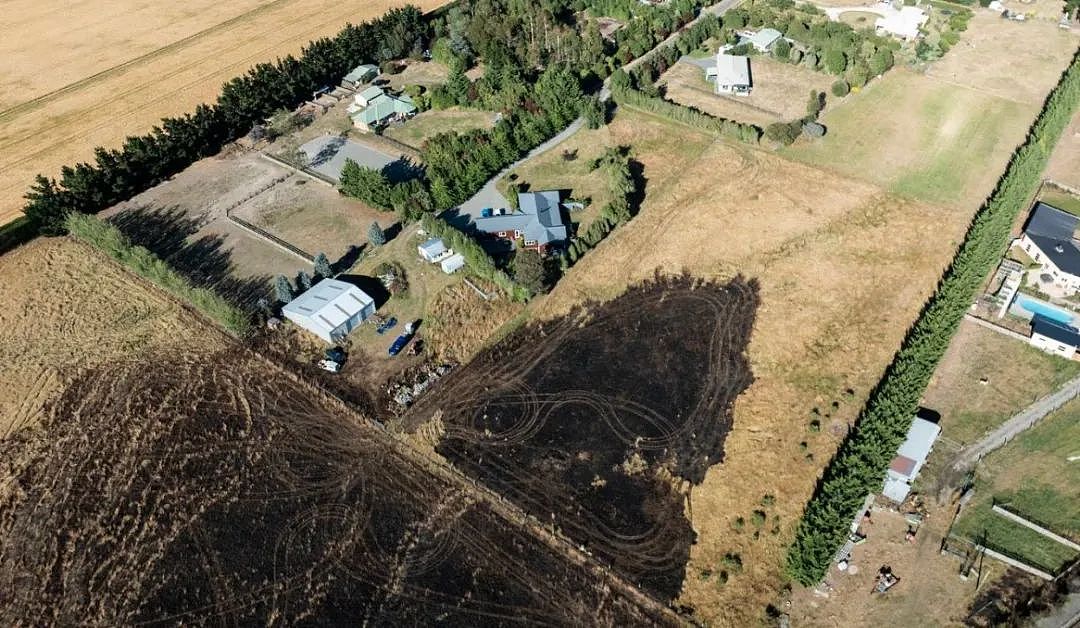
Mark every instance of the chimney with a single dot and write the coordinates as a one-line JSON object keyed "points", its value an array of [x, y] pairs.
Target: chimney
{"points": [[1058, 248]]}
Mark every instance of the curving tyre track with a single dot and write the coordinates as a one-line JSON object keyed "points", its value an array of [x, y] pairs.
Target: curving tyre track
{"points": [[223, 492], [572, 419]]}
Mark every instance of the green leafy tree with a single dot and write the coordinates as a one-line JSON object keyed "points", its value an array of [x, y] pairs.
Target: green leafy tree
{"points": [[529, 271], [322, 266], [881, 61], [46, 205], [783, 132], [282, 290], [594, 111], [835, 61], [815, 104], [367, 184], [375, 234], [782, 49]]}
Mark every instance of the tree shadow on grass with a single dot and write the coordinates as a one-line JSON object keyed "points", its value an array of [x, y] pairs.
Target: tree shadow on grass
{"points": [[205, 261]]}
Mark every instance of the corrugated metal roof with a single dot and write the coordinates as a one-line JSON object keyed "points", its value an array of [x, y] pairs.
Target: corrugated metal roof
{"points": [[329, 303], [383, 107], [361, 73], [539, 218], [433, 247], [732, 70], [370, 94], [920, 439]]}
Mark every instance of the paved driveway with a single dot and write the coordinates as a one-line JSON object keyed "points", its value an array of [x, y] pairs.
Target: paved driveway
{"points": [[327, 154]]}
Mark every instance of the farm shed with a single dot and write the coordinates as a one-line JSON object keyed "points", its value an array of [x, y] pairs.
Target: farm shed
{"points": [[432, 250], [383, 109], [359, 75], [453, 263], [910, 458], [1054, 336], [330, 309]]}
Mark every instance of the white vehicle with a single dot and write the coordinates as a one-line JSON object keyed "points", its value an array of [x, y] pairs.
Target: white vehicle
{"points": [[329, 365]]}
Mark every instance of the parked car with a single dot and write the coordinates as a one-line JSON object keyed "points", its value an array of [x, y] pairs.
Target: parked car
{"points": [[336, 354], [399, 344], [386, 326], [485, 212]]}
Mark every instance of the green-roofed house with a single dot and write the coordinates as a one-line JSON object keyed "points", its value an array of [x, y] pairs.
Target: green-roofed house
{"points": [[382, 110], [360, 75]]}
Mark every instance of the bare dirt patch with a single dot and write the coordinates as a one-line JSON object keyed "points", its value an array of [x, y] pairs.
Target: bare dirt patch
{"points": [[171, 77], [200, 491], [596, 420], [64, 309], [843, 268], [780, 92]]}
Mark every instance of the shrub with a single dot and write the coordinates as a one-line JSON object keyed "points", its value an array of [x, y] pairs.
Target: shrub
{"points": [[732, 561], [758, 518], [840, 88], [783, 132], [376, 235], [768, 500]]}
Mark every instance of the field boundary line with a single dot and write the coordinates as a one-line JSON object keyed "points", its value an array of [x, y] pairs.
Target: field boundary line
{"points": [[33, 103], [1005, 331], [503, 507]]}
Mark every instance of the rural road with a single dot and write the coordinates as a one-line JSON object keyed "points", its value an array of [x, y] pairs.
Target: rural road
{"points": [[1025, 419], [488, 196]]}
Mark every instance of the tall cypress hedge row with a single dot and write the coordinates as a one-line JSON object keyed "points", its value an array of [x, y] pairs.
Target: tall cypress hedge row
{"points": [[860, 464]]}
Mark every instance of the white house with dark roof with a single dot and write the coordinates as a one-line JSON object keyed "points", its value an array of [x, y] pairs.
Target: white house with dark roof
{"points": [[910, 458], [538, 221], [1054, 336], [1048, 240], [330, 309]]}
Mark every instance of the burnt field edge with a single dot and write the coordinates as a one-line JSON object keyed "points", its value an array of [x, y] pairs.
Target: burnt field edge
{"points": [[598, 422]]}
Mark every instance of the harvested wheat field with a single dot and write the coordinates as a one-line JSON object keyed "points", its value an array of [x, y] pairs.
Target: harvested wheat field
{"points": [[843, 269], [104, 71], [65, 308]]}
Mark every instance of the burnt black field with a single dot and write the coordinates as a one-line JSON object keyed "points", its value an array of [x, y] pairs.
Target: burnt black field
{"points": [[584, 420], [220, 492]]}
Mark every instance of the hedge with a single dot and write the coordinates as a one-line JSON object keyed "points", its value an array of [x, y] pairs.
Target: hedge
{"points": [[107, 238], [689, 116], [476, 258], [860, 464]]}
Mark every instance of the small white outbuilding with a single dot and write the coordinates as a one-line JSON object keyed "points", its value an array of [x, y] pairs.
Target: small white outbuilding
{"points": [[453, 263], [910, 459], [330, 309]]}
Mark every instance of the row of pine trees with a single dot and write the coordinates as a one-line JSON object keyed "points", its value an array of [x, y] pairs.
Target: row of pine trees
{"points": [[859, 466]]}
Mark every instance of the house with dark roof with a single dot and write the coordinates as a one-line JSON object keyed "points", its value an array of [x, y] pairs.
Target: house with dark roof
{"points": [[1048, 240], [910, 458], [1053, 336], [538, 222]]}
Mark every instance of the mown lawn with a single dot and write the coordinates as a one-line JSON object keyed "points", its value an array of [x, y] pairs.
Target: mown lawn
{"points": [[428, 124], [1062, 200], [1034, 477], [920, 137]]}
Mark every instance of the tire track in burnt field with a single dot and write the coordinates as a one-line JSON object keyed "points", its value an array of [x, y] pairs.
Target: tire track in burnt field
{"points": [[584, 421], [217, 490]]}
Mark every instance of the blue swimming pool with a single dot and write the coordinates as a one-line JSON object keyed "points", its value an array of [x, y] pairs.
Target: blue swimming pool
{"points": [[1038, 307]]}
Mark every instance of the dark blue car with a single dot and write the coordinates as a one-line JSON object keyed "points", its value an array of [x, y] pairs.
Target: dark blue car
{"points": [[399, 344], [386, 325]]}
